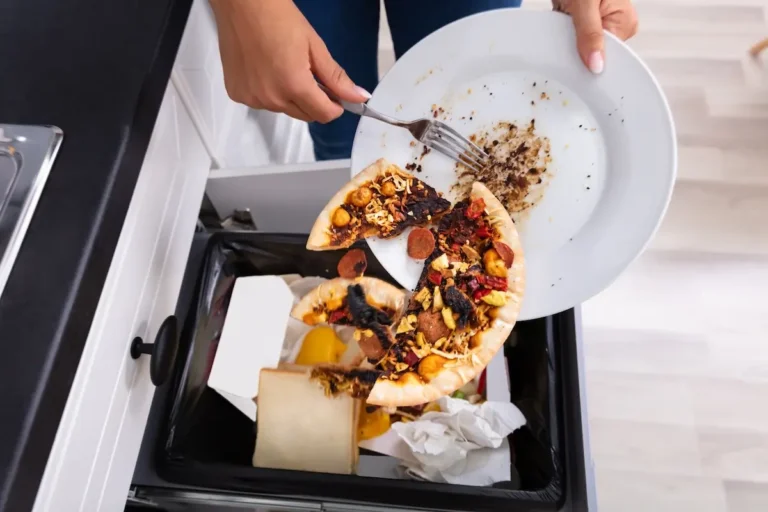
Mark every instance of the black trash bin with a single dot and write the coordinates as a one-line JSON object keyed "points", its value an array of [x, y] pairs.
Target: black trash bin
{"points": [[196, 440]]}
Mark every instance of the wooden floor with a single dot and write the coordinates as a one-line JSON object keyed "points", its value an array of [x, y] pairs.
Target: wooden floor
{"points": [[677, 349]]}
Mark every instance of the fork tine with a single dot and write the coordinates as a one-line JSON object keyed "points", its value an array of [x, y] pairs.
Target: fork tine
{"points": [[444, 127], [459, 149], [453, 155]]}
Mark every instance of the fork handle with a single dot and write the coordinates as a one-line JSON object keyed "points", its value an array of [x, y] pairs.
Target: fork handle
{"points": [[361, 109], [355, 108]]}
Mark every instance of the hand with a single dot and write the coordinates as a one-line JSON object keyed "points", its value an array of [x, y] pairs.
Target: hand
{"points": [[590, 17], [271, 56]]}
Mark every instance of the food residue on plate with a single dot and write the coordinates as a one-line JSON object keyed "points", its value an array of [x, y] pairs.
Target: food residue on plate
{"points": [[518, 173]]}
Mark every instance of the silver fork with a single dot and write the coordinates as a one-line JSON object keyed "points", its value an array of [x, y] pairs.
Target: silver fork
{"points": [[433, 134]]}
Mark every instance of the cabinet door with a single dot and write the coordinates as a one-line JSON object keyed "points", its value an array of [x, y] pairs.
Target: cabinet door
{"points": [[98, 440]]}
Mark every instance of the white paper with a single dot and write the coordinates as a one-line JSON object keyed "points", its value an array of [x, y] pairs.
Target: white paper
{"points": [[251, 339], [462, 444]]}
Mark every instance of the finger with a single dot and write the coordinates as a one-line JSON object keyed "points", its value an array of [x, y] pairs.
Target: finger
{"points": [[622, 24], [318, 105], [332, 75], [292, 110], [589, 33]]}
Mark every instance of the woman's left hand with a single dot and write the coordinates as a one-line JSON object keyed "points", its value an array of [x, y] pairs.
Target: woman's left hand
{"points": [[590, 17]]}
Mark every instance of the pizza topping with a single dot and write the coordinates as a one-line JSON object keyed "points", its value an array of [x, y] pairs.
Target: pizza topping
{"points": [[440, 263], [431, 366], [407, 324], [475, 209], [411, 358], [494, 264], [432, 326], [483, 232], [357, 382], [341, 218], [421, 243], [352, 264], [388, 189], [437, 300], [505, 252], [361, 197], [459, 304], [363, 314], [435, 277], [495, 298], [448, 318], [471, 254], [494, 283], [479, 294], [371, 345]]}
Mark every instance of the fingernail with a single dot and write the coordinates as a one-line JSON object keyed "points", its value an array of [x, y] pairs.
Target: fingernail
{"points": [[362, 92], [596, 63]]}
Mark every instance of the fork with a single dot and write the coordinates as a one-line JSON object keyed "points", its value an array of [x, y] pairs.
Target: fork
{"points": [[433, 134]]}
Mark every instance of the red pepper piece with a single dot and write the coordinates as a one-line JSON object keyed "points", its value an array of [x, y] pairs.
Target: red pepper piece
{"points": [[483, 232], [411, 358], [494, 283], [335, 316], [479, 294], [435, 277], [481, 384], [475, 208]]}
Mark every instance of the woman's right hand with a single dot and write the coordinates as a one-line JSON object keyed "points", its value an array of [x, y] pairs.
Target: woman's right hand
{"points": [[271, 56]]}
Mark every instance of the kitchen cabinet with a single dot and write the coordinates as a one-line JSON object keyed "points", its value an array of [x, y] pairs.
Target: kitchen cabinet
{"points": [[98, 439]]}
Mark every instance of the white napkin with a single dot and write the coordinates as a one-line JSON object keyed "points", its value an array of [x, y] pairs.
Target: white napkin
{"points": [[462, 444]]}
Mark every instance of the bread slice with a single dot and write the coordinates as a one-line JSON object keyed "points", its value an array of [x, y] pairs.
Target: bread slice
{"points": [[299, 428]]}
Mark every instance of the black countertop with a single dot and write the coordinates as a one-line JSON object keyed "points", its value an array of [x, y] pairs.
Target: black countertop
{"points": [[97, 69]]}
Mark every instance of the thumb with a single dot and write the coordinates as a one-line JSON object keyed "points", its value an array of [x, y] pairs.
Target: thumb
{"points": [[589, 34], [332, 75]]}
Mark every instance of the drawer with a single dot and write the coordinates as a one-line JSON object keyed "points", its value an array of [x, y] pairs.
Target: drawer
{"points": [[100, 433]]}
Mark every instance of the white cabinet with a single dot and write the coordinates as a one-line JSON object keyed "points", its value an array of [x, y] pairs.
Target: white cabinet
{"points": [[233, 134], [98, 440]]}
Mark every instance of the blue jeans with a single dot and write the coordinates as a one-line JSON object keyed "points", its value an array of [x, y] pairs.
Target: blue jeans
{"points": [[350, 29]]}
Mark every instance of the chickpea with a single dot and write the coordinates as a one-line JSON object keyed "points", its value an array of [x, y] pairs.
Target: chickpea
{"points": [[493, 264], [388, 189], [340, 218], [361, 197]]}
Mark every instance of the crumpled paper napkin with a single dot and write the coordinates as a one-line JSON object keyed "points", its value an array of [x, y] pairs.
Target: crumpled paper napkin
{"points": [[463, 444]]}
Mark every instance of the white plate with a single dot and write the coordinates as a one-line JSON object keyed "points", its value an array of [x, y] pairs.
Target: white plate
{"points": [[612, 178]]}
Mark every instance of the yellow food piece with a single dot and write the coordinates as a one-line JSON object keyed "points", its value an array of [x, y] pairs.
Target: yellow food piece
{"points": [[495, 298], [321, 345], [388, 189], [430, 366], [437, 301], [340, 218], [448, 318], [431, 407], [361, 197], [440, 263], [493, 264], [424, 298], [334, 303], [373, 424], [408, 323]]}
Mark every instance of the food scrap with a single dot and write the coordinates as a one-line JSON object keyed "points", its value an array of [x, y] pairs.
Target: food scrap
{"points": [[518, 173], [352, 264]]}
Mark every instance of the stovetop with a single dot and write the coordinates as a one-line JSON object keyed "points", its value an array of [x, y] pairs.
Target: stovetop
{"points": [[26, 156]]}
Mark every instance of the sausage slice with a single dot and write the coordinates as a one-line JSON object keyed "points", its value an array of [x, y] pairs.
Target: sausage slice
{"points": [[371, 347], [352, 264], [505, 252], [421, 243], [432, 325]]}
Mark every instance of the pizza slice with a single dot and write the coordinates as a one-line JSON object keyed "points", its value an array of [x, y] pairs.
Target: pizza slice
{"points": [[464, 308], [382, 200]]}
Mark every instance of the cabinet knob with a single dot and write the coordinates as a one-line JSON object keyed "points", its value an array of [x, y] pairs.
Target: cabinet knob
{"points": [[162, 352]]}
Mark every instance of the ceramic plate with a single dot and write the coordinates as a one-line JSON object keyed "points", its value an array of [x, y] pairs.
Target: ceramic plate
{"points": [[611, 137]]}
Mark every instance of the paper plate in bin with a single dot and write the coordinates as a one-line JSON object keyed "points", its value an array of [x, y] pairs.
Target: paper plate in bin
{"points": [[208, 442]]}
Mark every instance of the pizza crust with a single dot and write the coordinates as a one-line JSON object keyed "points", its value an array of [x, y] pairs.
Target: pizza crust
{"points": [[377, 292], [319, 239], [411, 390]]}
